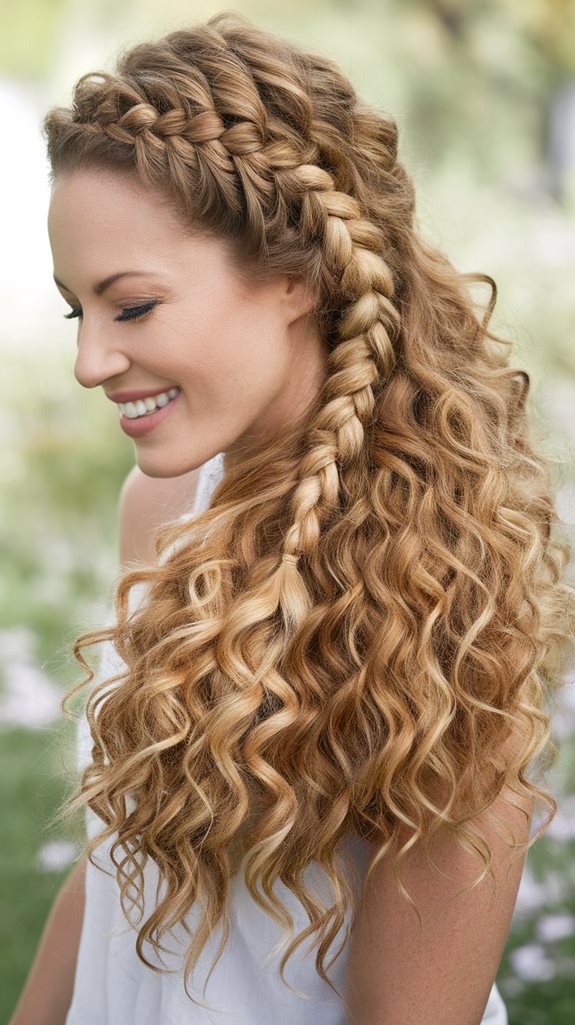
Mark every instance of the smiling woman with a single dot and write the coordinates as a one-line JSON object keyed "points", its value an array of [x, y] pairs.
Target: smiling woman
{"points": [[203, 328], [337, 664]]}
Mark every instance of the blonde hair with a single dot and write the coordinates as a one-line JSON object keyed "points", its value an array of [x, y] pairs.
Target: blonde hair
{"points": [[372, 606]]}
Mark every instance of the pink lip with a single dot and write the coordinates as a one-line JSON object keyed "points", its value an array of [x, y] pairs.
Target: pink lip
{"points": [[135, 428], [133, 396]]}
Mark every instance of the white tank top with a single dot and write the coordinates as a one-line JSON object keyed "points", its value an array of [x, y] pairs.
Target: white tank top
{"points": [[113, 987]]}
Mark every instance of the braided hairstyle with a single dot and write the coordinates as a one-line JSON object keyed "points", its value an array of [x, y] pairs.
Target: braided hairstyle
{"points": [[372, 606]]}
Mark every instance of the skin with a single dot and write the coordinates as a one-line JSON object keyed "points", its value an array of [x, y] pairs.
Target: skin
{"points": [[453, 961], [248, 358]]}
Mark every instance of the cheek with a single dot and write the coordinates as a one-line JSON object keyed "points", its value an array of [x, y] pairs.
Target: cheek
{"points": [[245, 344], [225, 352], [253, 367]]}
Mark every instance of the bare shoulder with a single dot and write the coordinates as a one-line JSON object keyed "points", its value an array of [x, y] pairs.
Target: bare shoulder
{"points": [[445, 971], [145, 503]]}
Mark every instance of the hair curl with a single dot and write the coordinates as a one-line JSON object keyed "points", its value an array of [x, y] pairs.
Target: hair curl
{"points": [[372, 606]]}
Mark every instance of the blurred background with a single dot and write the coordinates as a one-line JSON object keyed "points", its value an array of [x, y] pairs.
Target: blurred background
{"points": [[484, 94]]}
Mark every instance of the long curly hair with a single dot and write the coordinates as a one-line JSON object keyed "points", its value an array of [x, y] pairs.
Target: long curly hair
{"points": [[362, 633]]}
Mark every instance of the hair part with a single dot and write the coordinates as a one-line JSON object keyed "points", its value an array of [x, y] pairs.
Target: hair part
{"points": [[372, 606]]}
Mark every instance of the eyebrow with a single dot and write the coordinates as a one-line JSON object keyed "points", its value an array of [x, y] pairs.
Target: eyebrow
{"points": [[103, 285]]}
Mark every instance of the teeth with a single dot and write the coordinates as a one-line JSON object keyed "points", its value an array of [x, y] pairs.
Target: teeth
{"points": [[144, 406]]}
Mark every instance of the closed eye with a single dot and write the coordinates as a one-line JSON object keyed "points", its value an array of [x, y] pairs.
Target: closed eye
{"points": [[133, 312], [128, 313]]}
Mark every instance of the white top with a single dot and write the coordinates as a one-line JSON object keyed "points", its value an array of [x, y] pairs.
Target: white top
{"points": [[113, 987]]}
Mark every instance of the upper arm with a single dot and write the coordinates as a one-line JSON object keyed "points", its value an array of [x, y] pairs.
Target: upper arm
{"points": [[443, 974], [145, 503]]}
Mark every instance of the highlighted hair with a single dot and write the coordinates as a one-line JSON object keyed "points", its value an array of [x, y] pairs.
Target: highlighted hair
{"points": [[362, 632]]}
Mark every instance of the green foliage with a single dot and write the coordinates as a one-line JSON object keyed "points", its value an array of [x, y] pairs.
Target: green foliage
{"points": [[33, 782], [58, 532]]}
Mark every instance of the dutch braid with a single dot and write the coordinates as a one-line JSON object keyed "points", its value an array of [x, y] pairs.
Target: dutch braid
{"points": [[263, 172]]}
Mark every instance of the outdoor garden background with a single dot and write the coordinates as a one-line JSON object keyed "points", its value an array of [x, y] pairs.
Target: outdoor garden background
{"points": [[484, 93]]}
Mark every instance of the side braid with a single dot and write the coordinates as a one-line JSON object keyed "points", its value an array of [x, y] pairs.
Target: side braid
{"points": [[206, 133], [265, 173], [351, 245]]}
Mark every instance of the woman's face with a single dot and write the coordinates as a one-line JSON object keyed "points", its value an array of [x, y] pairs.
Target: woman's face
{"points": [[230, 362]]}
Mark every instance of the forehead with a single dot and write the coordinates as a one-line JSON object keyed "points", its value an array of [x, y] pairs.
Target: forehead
{"points": [[96, 198], [100, 221], [95, 218]]}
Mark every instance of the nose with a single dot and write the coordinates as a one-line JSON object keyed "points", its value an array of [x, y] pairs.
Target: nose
{"points": [[99, 358]]}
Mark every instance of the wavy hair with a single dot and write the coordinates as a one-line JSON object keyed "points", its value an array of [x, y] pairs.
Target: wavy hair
{"points": [[362, 632]]}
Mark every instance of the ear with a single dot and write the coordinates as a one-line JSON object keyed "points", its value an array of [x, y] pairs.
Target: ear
{"points": [[300, 298]]}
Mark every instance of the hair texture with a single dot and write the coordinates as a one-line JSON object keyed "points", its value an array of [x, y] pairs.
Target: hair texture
{"points": [[361, 633]]}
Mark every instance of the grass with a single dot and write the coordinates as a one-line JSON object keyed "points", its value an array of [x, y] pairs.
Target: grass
{"points": [[31, 787]]}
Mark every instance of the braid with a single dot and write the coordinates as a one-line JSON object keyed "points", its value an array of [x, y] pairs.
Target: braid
{"points": [[356, 363], [204, 133], [245, 139]]}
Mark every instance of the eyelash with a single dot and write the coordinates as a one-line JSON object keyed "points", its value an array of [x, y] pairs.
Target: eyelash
{"points": [[129, 313]]}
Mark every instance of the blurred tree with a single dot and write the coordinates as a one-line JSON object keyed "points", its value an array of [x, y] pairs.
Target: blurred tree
{"points": [[499, 60]]}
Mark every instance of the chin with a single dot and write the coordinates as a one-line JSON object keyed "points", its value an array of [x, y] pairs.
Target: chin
{"points": [[163, 468], [156, 468]]}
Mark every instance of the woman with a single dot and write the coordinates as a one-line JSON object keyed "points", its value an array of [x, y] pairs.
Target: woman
{"points": [[323, 703]]}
